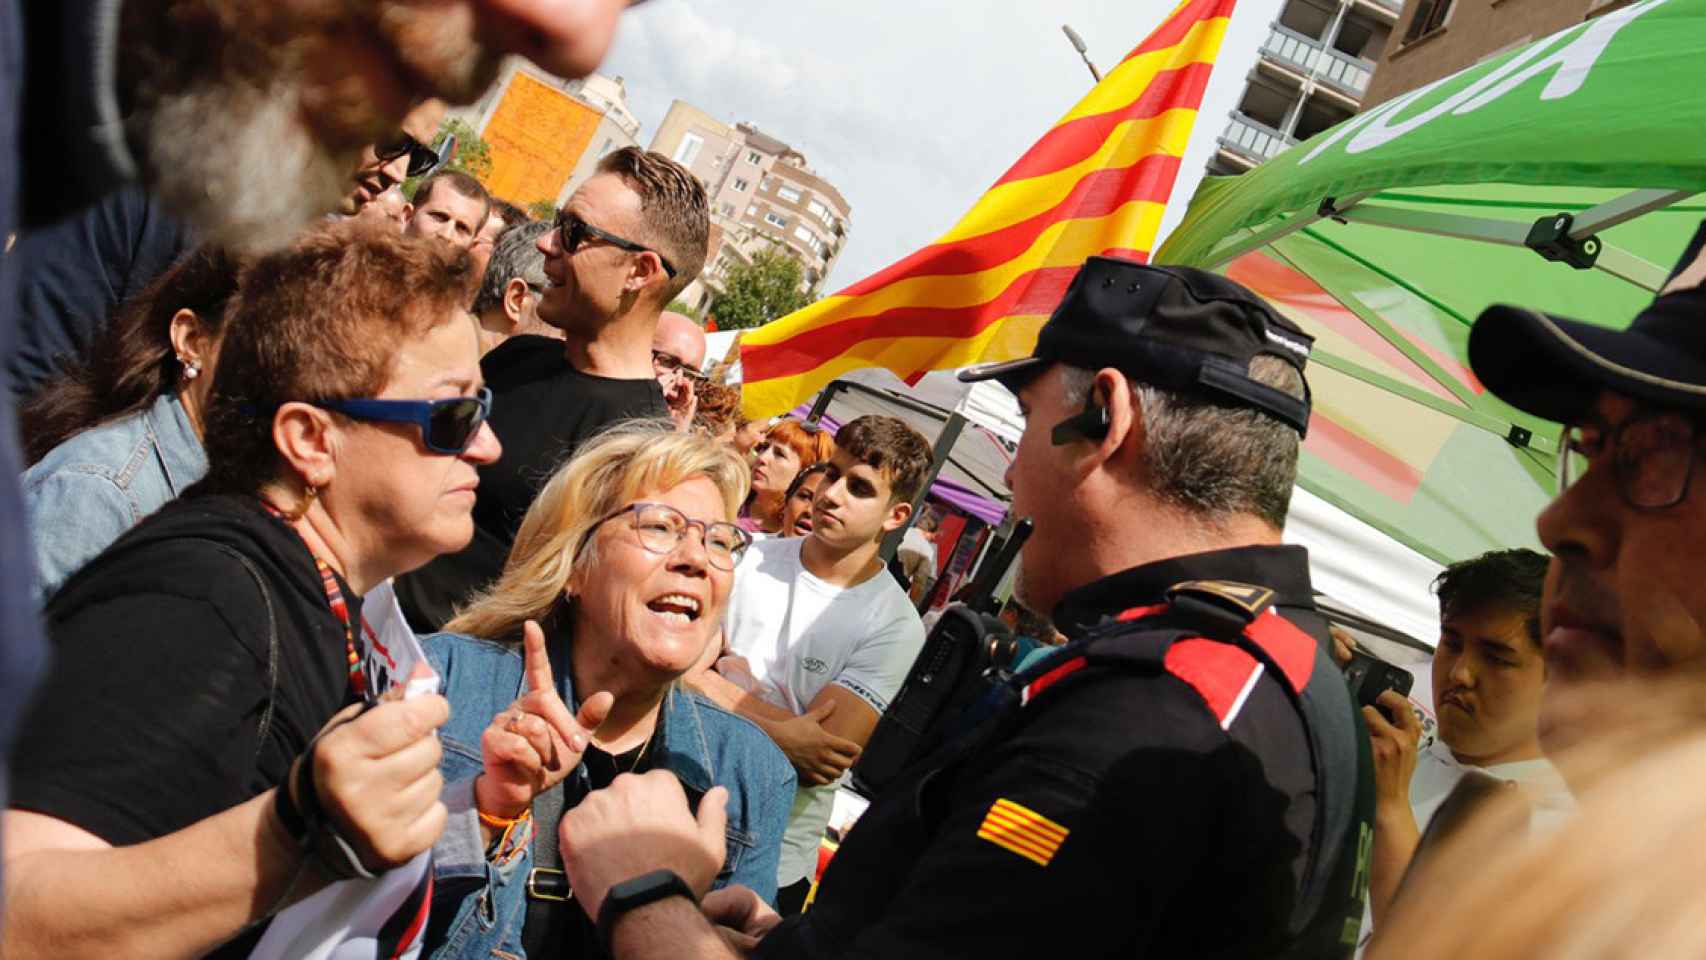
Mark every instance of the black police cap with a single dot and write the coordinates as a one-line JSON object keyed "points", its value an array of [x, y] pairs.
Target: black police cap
{"points": [[1555, 367], [1177, 328]]}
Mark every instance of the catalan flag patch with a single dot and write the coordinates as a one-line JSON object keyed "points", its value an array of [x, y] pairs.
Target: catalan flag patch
{"points": [[1023, 831]]}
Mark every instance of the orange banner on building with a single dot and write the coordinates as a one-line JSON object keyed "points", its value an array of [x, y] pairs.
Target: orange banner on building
{"points": [[1096, 183]]}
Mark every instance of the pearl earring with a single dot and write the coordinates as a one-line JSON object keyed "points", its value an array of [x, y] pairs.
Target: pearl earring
{"points": [[191, 369]]}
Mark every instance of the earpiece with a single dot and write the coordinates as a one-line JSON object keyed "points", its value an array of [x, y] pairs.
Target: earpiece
{"points": [[1091, 425]]}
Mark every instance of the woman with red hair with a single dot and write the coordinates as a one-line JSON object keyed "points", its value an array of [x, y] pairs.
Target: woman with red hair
{"points": [[789, 447]]}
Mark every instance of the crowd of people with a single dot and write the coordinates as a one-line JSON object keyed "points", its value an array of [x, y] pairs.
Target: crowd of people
{"points": [[281, 423]]}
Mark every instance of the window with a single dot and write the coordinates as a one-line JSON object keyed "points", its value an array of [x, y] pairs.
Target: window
{"points": [[688, 149], [741, 185], [808, 238], [753, 158], [728, 209], [819, 211], [604, 151], [766, 183], [1430, 16], [788, 193], [752, 210], [775, 221]]}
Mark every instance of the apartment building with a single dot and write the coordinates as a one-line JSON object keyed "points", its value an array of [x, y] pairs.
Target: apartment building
{"points": [[763, 194], [1315, 69]]}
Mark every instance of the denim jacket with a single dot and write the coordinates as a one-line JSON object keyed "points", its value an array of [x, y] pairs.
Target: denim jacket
{"points": [[481, 905], [93, 487]]}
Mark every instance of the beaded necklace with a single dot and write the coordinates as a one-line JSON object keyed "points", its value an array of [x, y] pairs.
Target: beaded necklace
{"points": [[335, 600]]}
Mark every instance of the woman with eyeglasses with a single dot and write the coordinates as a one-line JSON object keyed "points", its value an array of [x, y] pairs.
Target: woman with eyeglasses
{"points": [[563, 675], [169, 768], [116, 436], [786, 449]]}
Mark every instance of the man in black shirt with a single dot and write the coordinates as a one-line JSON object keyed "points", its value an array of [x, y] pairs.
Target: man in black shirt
{"points": [[631, 238], [1186, 777]]}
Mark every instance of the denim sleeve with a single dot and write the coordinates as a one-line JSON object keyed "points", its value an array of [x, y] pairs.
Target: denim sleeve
{"points": [[476, 903], [772, 781], [73, 515]]}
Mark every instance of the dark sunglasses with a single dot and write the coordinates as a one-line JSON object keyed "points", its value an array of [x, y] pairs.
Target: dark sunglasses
{"points": [[447, 426], [422, 158], [572, 231]]}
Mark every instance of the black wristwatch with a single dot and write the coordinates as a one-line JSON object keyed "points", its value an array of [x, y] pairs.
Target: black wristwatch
{"points": [[637, 892]]}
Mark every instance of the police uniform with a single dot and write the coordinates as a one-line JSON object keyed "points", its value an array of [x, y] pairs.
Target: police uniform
{"points": [[1187, 777]]}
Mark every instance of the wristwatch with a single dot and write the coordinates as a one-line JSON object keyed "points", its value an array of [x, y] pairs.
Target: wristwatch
{"points": [[637, 892]]}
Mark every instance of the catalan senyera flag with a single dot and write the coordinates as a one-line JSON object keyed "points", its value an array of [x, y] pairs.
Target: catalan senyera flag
{"points": [[1096, 183], [1023, 831]]}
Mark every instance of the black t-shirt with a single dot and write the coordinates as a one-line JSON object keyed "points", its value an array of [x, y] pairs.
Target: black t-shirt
{"points": [[542, 411], [150, 719]]}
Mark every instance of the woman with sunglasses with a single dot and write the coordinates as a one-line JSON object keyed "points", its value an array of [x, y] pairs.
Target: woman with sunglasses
{"points": [[563, 675], [200, 653]]}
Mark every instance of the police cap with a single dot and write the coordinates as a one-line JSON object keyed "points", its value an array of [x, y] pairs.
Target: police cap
{"points": [[1177, 328]]}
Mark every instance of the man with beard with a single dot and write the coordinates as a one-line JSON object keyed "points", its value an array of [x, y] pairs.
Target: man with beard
{"points": [[1182, 778], [631, 238], [1624, 596]]}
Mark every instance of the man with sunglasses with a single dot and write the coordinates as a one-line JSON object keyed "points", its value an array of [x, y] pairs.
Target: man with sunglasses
{"points": [[678, 354], [388, 163], [629, 240], [1624, 596]]}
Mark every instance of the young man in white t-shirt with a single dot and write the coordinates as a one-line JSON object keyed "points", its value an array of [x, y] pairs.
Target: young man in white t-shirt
{"points": [[1487, 678], [817, 636]]}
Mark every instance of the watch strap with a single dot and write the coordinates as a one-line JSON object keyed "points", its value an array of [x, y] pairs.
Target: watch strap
{"points": [[634, 893]]}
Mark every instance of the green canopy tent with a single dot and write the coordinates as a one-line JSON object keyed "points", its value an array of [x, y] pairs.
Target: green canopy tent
{"points": [[1562, 175]]}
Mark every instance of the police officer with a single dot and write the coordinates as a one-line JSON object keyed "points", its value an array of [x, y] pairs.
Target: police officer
{"points": [[1182, 778]]}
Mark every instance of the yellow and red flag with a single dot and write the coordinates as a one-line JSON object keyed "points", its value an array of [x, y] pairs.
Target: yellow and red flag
{"points": [[1096, 183]]}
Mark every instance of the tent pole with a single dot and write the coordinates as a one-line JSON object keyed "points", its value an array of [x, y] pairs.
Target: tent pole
{"points": [[1626, 266], [822, 403], [1623, 209], [938, 456], [1286, 229]]}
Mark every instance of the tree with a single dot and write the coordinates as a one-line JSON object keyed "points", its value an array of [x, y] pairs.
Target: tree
{"points": [[542, 210], [758, 293], [473, 154]]}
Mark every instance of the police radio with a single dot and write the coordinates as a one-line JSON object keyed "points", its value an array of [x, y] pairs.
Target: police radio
{"points": [[967, 651]]}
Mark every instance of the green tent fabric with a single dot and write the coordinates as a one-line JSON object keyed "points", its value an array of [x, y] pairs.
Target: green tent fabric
{"points": [[1386, 235]]}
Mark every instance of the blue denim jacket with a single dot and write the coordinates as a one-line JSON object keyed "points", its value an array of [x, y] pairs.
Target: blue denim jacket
{"points": [[702, 744], [93, 487]]}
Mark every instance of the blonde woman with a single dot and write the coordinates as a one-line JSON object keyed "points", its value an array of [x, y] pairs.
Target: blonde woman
{"points": [[563, 675]]}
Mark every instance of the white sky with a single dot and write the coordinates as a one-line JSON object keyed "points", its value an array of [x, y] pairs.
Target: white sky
{"points": [[911, 109]]}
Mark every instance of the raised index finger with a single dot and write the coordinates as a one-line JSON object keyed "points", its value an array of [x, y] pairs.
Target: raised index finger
{"points": [[538, 661]]}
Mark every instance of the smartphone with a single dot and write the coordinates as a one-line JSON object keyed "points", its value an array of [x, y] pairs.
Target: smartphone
{"points": [[1369, 677]]}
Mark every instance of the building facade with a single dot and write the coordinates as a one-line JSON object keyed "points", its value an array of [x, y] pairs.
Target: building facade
{"points": [[1314, 70], [546, 133], [1436, 38], [763, 195]]}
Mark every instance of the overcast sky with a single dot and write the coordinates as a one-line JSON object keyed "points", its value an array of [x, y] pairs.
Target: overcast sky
{"points": [[911, 109]]}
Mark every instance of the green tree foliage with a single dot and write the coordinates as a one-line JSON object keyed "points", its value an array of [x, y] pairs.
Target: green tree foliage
{"points": [[542, 210], [473, 154], [757, 294]]}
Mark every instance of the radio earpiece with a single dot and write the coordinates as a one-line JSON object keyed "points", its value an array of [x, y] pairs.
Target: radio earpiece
{"points": [[1090, 425]]}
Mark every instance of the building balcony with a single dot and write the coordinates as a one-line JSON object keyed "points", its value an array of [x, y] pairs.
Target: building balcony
{"points": [[1394, 7], [1309, 57], [1253, 140]]}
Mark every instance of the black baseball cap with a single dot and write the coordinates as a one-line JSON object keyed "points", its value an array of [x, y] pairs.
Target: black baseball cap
{"points": [[1176, 328], [1555, 367]]}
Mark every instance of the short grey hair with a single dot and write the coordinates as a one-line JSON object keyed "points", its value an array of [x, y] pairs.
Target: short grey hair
{"points": [[1214, 460], [515, 256]]}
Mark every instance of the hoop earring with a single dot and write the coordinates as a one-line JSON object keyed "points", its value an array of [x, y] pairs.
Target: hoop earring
{"points": [[309, 492]]}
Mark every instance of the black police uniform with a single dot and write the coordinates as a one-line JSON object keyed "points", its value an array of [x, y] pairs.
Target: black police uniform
{"points": [[1143, 791], [1188, 776]]}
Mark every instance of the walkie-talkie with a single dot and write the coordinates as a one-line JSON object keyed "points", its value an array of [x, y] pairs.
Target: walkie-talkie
{"points": [[967, 650]]}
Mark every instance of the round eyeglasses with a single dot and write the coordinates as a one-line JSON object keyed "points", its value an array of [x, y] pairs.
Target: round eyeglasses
{"points": [[661, 528]]}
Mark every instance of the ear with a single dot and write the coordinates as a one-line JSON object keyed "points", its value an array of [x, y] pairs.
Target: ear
{"points": [[646, 273], [898, 514], [516, 292], [189, 338], [306, 439], [408, 211], [1112, 392]]}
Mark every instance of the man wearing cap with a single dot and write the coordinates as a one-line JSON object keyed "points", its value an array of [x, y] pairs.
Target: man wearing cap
{"points": [[1186, 777], [1624, 596]]}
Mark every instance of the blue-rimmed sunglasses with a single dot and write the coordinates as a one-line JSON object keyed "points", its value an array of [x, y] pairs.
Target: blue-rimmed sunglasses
{"points": [[447, 426]]}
